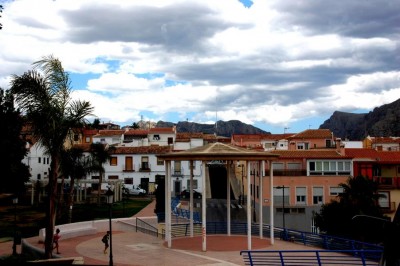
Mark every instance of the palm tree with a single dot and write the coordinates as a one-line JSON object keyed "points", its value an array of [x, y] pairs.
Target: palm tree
{"points": [[100, 154], [43, 94], [74, 165]]}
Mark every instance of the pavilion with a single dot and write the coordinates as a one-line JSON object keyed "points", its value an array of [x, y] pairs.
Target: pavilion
{"points": [[229, 154]]}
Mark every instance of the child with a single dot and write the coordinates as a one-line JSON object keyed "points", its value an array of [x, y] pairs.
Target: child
{"points": [[105, 241], [56, 237]]}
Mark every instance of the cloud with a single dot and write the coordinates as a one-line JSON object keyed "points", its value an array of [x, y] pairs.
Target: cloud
{"points": [[271, 63]]}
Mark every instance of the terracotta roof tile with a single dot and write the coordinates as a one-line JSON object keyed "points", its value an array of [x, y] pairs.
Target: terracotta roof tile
{"points": [[382, 156], [110, 132], [313, 134], [142, 150], [162, 130], [310, 154], [136, 132]]}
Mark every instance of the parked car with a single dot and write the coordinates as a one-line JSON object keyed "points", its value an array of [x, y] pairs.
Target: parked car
{"points": [[185, 194], [137, 191]]}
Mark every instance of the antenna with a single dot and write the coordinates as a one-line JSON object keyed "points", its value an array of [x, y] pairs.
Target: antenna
{"points": [[216, 117], [284, 130]]}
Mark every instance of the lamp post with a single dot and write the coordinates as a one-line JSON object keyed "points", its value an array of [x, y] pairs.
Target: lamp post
{"points": [[110, 198], [242, 196], [254, 195], [14, 247], [283, 204]]}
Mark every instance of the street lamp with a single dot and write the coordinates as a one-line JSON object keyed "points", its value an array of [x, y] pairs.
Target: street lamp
{"points": [[254, 196], [242, 196], [283, 204], [110, 199]]}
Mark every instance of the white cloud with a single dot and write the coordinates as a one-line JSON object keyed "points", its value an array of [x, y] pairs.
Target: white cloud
{"points": [[273, 63]]}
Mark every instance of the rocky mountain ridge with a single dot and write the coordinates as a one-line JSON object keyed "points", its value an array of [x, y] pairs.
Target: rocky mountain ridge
{"points": [[383, 121], [221, 128]]}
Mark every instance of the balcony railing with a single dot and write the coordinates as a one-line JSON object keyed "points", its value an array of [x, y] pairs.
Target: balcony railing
{"points": [[387, 182], [176, 172], [128, 168], [144, 167], [290, 172]]}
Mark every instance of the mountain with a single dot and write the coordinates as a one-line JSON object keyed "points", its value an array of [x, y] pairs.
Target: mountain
{"points": [[383, 121], [223, 128]]}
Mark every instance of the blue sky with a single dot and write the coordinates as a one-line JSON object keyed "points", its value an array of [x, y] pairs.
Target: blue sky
{"points": [[278, 65]]}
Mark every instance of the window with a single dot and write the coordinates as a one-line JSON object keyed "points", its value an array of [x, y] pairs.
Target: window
{"points": [[156, 137], [384, 201], [44, 160], [114, 160], [48, 159], [177, 168], [335, 191], [195, 186], [318, 196], [329, 167], [76, 137], [160, 161], [303, 146], [113, 177], [280, 195], [170, 140], [301, 195], [87, 139], [294, 166], [145, 162], [128, 180]]}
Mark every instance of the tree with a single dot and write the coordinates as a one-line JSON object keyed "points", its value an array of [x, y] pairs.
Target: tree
{"points": [[13, 147], [44, 95], [360, 197], [74, 165], [1, 11], [100, 154]]}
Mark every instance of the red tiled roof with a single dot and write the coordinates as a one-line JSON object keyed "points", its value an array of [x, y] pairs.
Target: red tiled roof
{"points": [[88, 132], [247, 137], [136, 132], [313, 134], [310, 154], [162, 130], [142, 150], [110, 132], [376, 140], [381, 156], [277, 136], [186, 136]]}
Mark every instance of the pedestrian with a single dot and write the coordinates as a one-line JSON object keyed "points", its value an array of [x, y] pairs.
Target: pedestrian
{"points": [[105, 239], [56, 237]]}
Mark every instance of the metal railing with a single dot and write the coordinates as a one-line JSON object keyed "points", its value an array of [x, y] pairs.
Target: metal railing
{"points": [[146, 228], [311, 257]]}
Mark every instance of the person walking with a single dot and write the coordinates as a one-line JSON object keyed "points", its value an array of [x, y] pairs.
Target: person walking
{"points": [[56, 237], [105, 239]]}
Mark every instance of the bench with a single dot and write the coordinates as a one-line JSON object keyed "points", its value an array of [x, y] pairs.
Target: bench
{"points": [[71, 230]]}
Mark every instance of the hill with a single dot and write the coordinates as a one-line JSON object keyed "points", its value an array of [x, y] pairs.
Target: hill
{"points": [[383, 121], [223, 128]]}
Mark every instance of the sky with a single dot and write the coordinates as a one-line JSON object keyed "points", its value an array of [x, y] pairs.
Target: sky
{"points": [[282, 66]]}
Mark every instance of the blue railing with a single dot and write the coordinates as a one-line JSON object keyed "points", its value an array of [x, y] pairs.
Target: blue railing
{"points": [[311, 257]]}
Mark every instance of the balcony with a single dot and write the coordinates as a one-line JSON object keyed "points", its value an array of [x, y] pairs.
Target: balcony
{"points": [[387, 182], [177, 172], [298, 172], [144, 167], [128, 168], [389, 208]]}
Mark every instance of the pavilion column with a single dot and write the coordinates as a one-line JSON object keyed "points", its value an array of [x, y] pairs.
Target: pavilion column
{"points": [[261, 197], [248, 205], [168, 203], [228, 194], [203, 209], [271, 209], [191, 198]]}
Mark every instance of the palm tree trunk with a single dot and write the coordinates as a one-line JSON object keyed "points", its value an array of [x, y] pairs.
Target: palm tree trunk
{"points": [[51, 209], [99, 188]]}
